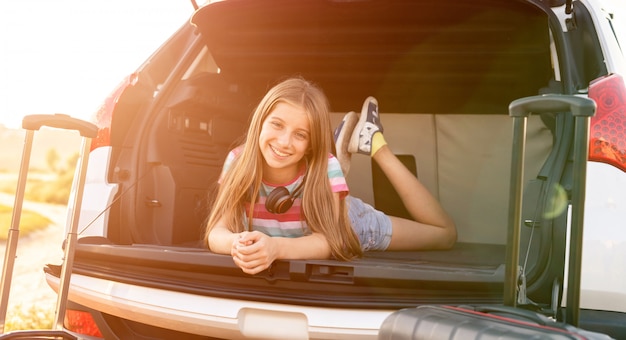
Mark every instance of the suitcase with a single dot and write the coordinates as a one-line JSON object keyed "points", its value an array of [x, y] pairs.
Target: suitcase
{"points": [[31, 124], [477, 322], [507, 321]]}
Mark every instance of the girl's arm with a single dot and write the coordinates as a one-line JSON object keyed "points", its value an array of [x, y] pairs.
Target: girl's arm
{"points": [[254, 251], [221, 239]]}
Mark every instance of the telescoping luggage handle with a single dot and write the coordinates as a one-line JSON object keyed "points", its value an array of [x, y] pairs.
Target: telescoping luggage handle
{"points": [[582, 109], [60, 121], [32, 123]]}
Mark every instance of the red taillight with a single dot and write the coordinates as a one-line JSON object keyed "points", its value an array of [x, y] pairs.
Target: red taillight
{"points": [[105, 113], [607, 134], [81, 322]]}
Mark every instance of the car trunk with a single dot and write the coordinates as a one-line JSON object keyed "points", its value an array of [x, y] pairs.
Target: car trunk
{"points": [[444, 75]]}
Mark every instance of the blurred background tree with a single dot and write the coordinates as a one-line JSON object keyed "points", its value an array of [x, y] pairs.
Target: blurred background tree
{"points": [[52, 158]]}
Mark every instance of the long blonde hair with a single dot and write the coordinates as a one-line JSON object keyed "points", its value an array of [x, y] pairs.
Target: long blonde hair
{"points": [[243, 180]]}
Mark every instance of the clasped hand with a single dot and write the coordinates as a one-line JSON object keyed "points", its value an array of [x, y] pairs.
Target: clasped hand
{"points": [[253, 251]]}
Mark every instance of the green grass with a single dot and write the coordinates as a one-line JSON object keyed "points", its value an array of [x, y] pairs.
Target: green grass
{"points": [[48, 186], [48, 189], [30, 221], [40, 188], [28, 317], [23, 317], [56, 191]]}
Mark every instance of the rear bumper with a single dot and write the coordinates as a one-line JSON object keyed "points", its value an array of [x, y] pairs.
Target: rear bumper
{"points": [[218, 317]]}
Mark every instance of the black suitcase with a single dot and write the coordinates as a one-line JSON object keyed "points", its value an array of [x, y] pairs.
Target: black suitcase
{"points": [[477, 322], [507, 321], [31, 124]]}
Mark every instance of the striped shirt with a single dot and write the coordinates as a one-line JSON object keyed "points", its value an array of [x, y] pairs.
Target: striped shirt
{"points": [[289, 224]]}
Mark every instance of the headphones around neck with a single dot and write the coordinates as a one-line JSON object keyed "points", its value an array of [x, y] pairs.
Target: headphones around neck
{"points": [[280, 199]]}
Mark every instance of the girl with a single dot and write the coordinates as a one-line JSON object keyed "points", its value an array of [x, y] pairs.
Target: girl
{"points": [[283, 194]]}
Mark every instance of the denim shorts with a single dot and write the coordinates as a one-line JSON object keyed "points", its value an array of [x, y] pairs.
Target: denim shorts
{"points": [[372, 227]]}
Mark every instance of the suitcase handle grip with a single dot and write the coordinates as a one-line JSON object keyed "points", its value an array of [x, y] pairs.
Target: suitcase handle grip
{"points": [[60, 121], [578, 106]]}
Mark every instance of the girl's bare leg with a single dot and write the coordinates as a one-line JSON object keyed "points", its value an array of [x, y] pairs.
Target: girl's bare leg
{"points": [[431, 227]]}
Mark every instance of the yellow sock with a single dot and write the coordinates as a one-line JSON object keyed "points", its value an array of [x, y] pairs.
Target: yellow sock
{"points": [[378, 141]]}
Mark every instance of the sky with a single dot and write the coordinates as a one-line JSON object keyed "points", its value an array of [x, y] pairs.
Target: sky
{"points": [[66, 56]]}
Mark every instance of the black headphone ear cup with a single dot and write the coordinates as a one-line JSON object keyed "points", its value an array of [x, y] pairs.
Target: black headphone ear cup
{"points": [[283, 204], [275, 201]]}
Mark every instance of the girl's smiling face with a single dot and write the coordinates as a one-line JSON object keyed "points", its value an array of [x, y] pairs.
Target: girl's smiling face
{"points": [[284, 141]]}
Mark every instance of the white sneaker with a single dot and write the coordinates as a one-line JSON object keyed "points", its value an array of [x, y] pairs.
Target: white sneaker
{"points": [[342, 136], [369, 123]]}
